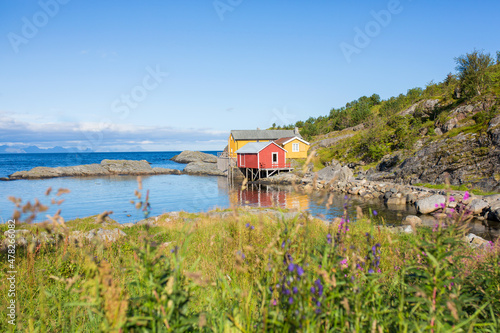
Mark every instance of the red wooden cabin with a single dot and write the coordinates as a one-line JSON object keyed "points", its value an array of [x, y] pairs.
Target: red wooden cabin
{"points": [[255, 157]]}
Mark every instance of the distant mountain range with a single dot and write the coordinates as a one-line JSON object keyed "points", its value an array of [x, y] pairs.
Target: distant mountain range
{"points": [[19, 149]]}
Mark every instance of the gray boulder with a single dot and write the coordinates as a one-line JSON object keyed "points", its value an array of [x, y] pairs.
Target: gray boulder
{"points": [[475, 241], [203, 168], [477, 206], [188, 156], [333, 173], [412, 220], [428, 205]]}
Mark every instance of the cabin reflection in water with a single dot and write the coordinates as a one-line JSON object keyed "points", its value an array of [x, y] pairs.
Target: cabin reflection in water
{"points": [[266, 196]]}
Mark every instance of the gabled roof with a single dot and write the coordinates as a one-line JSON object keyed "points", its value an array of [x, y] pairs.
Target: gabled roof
{"points": [[255, 147], [262, 134], [284, 141]]}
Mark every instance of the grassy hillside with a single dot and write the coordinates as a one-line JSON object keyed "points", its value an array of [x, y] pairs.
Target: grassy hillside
{"points": [[387, 131]]}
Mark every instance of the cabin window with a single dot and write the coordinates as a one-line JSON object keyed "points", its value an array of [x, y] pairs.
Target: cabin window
{"points": [[295, 147], [275, 157]]}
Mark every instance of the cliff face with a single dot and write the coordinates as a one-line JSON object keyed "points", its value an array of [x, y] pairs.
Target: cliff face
{"points": [[467, 158], [461, 145]]}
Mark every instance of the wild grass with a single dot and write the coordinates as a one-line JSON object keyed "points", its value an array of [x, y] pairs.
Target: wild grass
{"points": [[249, 272], [455, 188]]}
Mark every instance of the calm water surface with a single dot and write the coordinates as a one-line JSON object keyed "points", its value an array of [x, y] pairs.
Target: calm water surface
{"points": [[91, 196]]}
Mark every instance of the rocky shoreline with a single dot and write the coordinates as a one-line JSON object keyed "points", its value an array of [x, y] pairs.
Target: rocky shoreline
{"points": [[340, 179], [197, 164]]}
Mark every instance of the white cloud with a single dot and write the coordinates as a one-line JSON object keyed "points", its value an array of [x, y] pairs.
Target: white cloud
{"points": [[100, 136]]}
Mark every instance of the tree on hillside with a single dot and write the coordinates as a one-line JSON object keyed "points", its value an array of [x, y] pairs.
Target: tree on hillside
{"points": [[414, 94], [375, 99], [498, 57], [472, 72]]}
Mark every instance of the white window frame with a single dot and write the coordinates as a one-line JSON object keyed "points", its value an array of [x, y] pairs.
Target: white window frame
{"points": [[272, 158], [295, 147]]}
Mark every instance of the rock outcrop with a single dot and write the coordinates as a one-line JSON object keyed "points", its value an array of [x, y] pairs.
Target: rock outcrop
{"points": [[106, 168], [188, 156], [285, 178], [203, 168], [332, 173], [424, 108]]}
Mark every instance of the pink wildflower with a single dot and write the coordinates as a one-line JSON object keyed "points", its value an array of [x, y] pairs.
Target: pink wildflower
{"points": [[466, 196]]}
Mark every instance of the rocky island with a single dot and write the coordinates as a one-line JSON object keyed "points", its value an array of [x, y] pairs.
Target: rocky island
{"points": [[198, 163]]}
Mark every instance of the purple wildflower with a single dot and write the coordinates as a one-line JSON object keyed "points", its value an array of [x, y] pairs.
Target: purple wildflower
{"points": [[300, 271], [371, 271], [313, 290], [452, 199], [274, 302], [295, 290], [291, 267], [375, 213], [247, 225], [290, 300], [466, 196]]}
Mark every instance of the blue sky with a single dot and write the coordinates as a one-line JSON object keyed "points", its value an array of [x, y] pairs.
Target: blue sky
{"points": [[172, 75]]}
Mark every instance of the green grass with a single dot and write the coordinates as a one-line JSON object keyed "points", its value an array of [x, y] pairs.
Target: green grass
{"points": [[454, 188], [200, 272]]}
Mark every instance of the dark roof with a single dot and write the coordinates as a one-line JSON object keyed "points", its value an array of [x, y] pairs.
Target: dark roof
{"points": [[262, 134], [255, 147], [283, 140]]}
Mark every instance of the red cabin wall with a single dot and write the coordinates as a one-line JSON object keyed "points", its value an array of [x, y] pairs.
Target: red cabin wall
{"points": [[247, 161], [266, 155], [264, 158]]}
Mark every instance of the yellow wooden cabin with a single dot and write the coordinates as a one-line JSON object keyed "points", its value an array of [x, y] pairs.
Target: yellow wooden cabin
{"points": [[239, 138], [295, 146]]}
